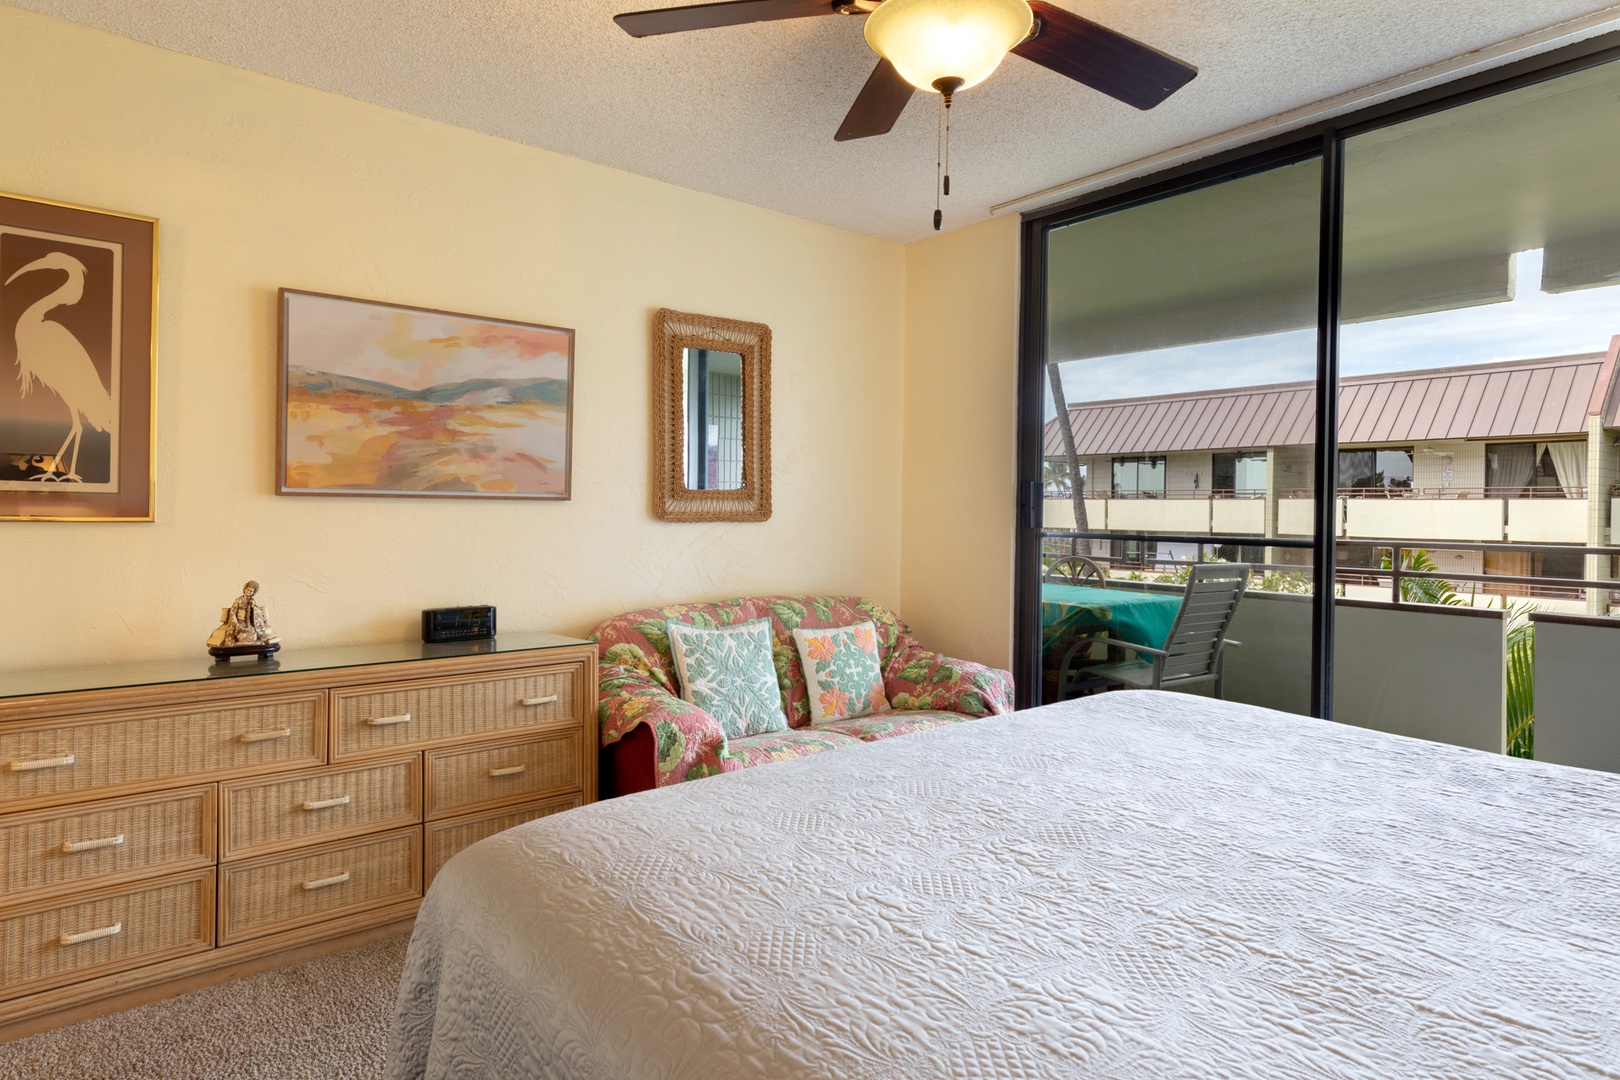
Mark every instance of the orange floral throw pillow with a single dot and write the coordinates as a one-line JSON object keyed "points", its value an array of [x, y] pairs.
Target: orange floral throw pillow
{"points": [[841, 671]]}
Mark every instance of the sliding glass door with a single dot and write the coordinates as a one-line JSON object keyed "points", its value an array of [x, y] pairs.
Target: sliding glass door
{"points": [[1477, 409], [1179, 428], [1378, 364]]}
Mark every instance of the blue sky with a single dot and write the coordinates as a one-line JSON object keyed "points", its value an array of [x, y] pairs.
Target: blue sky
{"points": [[1533, 324]]}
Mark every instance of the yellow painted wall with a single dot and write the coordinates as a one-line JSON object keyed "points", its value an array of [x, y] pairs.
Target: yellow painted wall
{"points": [[956, 533], [260, 184]]}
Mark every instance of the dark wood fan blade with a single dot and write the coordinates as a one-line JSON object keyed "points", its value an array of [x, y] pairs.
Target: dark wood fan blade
{"points": [[706, 16], [1103, 59], [877, 106]]}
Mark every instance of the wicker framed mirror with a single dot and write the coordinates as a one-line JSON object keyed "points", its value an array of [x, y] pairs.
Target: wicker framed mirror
{"points": [[711, 418]]}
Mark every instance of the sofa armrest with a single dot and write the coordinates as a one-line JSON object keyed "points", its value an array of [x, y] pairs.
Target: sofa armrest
{"points": [[689, 742], [918, 679]]}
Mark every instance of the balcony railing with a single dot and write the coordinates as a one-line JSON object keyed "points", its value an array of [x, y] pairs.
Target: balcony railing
{"points": [[1062, 491], [1482, 514], [1480, 492], [1392, 577], [1183, 493], [1444, 654]]}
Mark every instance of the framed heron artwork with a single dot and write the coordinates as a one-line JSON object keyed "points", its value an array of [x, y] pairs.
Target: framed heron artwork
{"points": [[384, 399], [78, 292]]}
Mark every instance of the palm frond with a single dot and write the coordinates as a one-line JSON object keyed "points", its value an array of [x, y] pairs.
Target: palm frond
{"points": [[1521, 681]]}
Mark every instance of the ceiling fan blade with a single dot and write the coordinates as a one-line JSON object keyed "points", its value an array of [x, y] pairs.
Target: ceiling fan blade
{"points": [[877, 106], [706, 16], [1103, 59]]}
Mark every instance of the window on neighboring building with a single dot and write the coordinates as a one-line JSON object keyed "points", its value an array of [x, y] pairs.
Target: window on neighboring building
{"points": [[1510, 468], [1239, 473], [1133, 554], [1541, 564], [1139, 477], [1387, 469], [1523, 469], [1546, 478], [1350, 557], [1244, 553]]}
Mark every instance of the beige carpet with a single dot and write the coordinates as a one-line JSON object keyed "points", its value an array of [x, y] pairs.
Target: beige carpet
{"points": [[325, 1019]]}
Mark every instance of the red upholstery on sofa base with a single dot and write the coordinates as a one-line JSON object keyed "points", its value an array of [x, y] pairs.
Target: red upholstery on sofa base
{"points": [[628, 765]]}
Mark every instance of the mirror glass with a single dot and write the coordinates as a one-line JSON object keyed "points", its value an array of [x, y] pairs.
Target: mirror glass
{"points": [[712, 392]]}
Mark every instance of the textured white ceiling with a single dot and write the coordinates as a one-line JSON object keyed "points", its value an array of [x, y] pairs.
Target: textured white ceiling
{"points": [[749, 112]]}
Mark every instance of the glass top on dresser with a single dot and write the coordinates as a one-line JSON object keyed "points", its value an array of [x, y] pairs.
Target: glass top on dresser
{"points": [[205, 668]]}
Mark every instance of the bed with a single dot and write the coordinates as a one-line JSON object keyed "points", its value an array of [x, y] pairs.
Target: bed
{"points": [[1132, 885]]}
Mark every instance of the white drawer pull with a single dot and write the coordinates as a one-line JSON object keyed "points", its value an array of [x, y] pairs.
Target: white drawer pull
{"points": [[389, 721], [42, 763], [264, 736], [327, 804], [70, 846], [547, 700], [508, 770], [326, 882], [92, 935]]}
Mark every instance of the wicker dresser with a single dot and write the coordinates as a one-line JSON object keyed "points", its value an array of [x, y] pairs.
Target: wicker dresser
{"points": [[166, 825]]}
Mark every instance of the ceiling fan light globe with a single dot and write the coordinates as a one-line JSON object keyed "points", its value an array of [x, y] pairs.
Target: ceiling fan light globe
{"points": [[928, 40]]}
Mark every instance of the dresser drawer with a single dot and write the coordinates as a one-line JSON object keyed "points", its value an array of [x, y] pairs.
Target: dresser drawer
{"points": [[442, 839], [466, 778], [261, 816], [262, 896], [47, 761], [369, 719], [47, 944], [102, 843]]}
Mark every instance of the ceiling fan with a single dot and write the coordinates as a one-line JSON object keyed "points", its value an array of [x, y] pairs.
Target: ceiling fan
{"points": [[948, 45]]}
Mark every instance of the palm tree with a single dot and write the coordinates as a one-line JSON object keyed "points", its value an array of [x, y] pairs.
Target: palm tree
{"points": [[1423, 590], [1521, 681], [1521, 647], [1055, 477], [1077, 490]]}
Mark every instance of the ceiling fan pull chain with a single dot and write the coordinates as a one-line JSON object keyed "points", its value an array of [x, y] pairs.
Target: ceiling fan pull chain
{"points": [[947, 144], [939, 142]]}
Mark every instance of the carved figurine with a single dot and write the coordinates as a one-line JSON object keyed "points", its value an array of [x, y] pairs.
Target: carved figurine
{"points": [[243, 629]]}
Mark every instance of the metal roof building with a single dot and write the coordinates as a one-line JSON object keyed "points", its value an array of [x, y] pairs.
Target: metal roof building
{"points": [[1525, 398]]}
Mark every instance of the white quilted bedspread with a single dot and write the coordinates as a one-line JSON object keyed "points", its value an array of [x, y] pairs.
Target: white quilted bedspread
{"points": [[1134, 885]]}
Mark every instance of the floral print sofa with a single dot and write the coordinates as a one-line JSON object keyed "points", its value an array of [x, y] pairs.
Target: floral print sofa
{"points": [[651, 738]]}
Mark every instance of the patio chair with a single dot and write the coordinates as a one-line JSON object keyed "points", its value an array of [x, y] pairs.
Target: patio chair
{"points": [[1076, 570], [1193, 649]]}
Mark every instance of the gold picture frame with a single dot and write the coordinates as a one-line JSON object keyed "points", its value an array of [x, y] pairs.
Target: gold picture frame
{"points": [[78, 330], [674, 498]]}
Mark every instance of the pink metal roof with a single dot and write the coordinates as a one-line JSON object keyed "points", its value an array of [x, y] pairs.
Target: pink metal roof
{"points": [[1522, 398], [1605, 402]]}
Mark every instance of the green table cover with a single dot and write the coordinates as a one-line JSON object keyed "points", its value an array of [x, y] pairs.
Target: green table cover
{"points": [[1141, 618]]}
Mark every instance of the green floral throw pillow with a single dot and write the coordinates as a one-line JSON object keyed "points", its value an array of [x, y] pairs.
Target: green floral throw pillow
{"points": [[841, 668], [728, 672]]}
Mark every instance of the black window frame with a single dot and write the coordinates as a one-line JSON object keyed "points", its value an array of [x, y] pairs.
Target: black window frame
{"points": [[1324, 140], [1388, 485], [1236, 457], [1137, 491]]}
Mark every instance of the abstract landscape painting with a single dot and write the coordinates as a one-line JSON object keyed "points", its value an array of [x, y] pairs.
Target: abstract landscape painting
{"points": [[380, 399]]}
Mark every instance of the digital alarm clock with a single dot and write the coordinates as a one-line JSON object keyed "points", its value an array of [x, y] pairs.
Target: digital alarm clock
{"points": [[458, 623]]}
